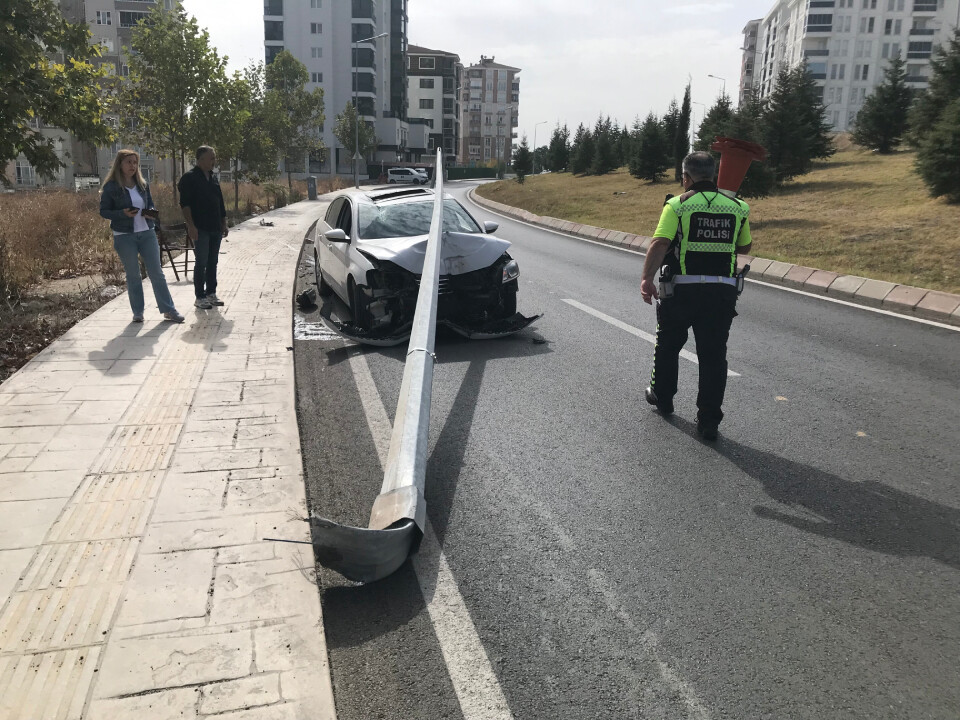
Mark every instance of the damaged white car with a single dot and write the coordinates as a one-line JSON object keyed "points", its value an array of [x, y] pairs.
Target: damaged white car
{"points": [[369, 251]]}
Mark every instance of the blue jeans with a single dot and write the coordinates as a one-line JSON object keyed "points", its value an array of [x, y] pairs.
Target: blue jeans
{"points": [[206, 252], [144, 244]]}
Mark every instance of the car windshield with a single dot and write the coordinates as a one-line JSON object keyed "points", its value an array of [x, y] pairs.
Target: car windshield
{"points": [[412, 218]]}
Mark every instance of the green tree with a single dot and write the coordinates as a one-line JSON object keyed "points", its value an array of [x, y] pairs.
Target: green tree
{"points": [[46, 72], [715, 123], [935, 124], [296, 113], [796, 131], [653, 151], [522, 161], [882, 121], [345, 131], [669, 123], [605, 153], [581, 153], [558, 154], [176, 82], [942, 90], [747, 123], [681, 138], [541, 156], [257, 159], [937, 155]]}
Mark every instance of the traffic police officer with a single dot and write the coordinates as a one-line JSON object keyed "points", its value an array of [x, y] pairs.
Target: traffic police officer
{"points": [[696, 243]]}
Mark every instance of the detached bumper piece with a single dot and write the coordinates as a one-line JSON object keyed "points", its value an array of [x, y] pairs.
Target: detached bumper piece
{"points": [[485, 331], [493, 328]]}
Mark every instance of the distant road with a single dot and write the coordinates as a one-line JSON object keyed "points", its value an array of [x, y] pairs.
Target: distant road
{"points": [[609, 564]]}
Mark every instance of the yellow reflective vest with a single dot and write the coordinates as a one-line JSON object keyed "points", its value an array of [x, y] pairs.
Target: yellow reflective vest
{"points": [[705, 231]]}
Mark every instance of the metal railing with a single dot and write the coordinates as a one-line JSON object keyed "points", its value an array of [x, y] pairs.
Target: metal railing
{"points": [[399, 514]]}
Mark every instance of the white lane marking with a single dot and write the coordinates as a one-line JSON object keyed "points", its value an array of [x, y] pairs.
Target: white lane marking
{"points": [[686, 354], [472, 676], [879, 311], [817, 296]]}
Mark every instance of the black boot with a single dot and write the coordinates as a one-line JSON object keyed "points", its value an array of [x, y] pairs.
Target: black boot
{"points": [[708, 431], [665, 408]]}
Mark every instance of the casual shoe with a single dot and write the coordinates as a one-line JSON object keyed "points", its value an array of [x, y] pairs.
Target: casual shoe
{"points": [[138, 318], [707, 431], [213, 299], [665, 408], [173, 317], [203, 304]]}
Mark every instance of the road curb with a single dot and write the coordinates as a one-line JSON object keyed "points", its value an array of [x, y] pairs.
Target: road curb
{"points": [[904, 300]]}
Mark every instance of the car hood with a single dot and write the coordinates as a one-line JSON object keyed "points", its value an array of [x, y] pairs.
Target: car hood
{"points": [[459, 252]]}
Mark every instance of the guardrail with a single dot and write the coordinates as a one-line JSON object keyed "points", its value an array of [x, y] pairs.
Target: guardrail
{"points": [[398, 517]]}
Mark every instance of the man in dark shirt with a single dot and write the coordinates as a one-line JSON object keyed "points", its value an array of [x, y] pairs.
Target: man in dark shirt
{"points": [[201, 202]]}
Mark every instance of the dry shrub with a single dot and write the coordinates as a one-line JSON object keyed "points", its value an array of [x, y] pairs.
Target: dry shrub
{"points": [[51, 233]]}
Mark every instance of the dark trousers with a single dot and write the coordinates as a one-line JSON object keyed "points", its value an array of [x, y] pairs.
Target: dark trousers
{"points": [[709, 310], [206, 252]]}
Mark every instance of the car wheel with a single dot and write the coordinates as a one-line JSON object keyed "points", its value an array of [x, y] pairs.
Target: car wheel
{"points": [[358, 305], [323, 288]]}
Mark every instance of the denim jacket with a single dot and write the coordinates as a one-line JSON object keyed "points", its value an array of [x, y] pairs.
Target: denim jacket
{"points": [[114, 198]]}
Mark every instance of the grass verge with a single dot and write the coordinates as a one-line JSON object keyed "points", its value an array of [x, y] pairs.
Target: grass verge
{"points": [[858, 213]]}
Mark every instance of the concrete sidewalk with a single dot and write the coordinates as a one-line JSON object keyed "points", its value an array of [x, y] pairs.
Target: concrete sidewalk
{"points": [[141, 469]]}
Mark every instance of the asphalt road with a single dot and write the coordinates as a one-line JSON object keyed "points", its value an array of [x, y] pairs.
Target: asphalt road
{"points": [[610, 564]]}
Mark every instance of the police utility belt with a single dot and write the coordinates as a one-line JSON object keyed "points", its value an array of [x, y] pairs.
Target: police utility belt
{"points": [[668, 281]]}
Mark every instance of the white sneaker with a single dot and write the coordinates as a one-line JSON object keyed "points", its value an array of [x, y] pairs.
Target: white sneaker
{"points": [[213, 299], [203, 304]]}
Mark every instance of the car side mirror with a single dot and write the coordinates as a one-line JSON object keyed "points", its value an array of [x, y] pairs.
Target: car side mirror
{"points": [[336, 235], [489, 226]]}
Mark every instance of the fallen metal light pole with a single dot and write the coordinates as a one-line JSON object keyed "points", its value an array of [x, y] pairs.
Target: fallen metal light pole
{"points": [[398, 518]]}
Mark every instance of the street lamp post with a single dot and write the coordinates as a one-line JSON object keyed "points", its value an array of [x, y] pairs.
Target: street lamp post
{"points": [[535, 145], [723, 80], [703, 114], [356, 109]]}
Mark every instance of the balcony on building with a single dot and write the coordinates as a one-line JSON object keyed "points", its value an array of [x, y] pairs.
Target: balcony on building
{"points": [[364, 9], [817, 23], [925, 6], [273, 8]]}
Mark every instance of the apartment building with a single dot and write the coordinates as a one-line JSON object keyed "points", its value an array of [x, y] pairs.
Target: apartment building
{"points": [[111, 24], [489, 110], [847, 45], [433, 81], [336, 40], [748, 60]]}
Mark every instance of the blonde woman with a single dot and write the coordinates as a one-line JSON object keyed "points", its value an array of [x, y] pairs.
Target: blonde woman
{"points": [[126, 202]]}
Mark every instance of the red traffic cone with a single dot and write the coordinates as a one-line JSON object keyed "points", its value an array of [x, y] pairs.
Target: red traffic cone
{"points": [[735, 158]]}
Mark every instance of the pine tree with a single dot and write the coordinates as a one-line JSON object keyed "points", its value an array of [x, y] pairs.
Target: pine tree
{"points": [[935, 124], [522, 161], [747, 123], [681, 139], [882, 121], [937, 155], [604, 155], [715, 123], [581, 154], [796, 131], [653, 151], [558, 154], [943, 89]]}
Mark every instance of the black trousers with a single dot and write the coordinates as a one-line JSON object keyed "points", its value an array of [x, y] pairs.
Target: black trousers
{"points": [[206, 254], [709, 309]]}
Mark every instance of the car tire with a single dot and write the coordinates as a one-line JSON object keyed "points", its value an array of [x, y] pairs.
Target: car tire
{"points": [[323, 288], [358, 305]]}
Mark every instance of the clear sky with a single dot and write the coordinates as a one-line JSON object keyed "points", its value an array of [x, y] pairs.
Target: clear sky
{"points": [[579, 58]]}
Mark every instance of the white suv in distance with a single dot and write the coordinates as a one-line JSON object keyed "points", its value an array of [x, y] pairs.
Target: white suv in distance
{"points": [[407, 175]]}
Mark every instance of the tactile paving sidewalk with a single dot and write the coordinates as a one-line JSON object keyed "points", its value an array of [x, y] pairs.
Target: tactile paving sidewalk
{"points": [[141, 468]]}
